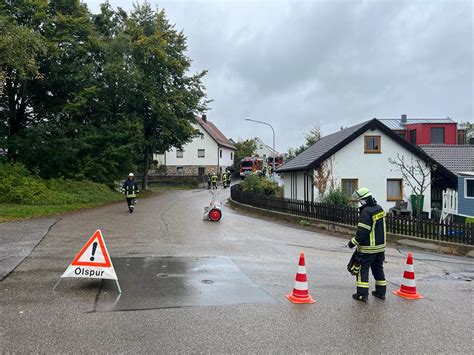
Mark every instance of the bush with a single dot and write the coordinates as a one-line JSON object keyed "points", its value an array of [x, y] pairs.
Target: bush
{"points": [[19, 186], [337, 198], [261, 185]]}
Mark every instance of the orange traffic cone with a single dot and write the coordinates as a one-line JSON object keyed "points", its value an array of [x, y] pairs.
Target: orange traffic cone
{"points": [[300, 292], [408, 287]]}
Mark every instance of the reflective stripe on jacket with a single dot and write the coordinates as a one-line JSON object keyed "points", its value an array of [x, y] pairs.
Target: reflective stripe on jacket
{"points": [[371, 230], [130, 187]]}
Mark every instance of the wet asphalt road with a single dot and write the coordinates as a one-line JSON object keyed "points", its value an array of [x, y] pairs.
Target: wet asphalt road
{"points": [[34, 318]]}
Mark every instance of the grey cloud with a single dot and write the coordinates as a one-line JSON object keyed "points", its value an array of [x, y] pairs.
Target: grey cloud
{"points": [[297, 64]]}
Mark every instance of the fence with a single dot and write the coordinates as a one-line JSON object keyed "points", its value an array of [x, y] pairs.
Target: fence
{"points": [[432, 230]]}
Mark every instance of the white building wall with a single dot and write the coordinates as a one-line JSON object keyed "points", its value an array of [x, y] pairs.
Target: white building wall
{"points": [[190, 157], [293, 185], [227, 157], [373, 170], [262, 149], [286, 184], [190, 151]]}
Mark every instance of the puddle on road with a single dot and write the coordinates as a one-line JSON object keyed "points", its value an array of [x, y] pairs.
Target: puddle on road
{"points": [[171, 282]]}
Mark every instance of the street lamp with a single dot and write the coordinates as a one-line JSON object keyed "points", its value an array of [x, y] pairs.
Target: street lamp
{"points": [[273, 152]]}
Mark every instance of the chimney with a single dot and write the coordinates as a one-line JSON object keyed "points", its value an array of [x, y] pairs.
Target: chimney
{"points": [[404, 119], [204, 118]]}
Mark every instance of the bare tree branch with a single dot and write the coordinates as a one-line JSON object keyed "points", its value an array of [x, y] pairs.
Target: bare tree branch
{"points": [[415, 174]]}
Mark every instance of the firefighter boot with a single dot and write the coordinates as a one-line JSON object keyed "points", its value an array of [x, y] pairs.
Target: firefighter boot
{"points": [[378, 295], [360, 297]]}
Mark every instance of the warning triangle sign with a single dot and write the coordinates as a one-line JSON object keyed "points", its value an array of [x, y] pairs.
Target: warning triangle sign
{"points": [[92, 261], [94, 253]]}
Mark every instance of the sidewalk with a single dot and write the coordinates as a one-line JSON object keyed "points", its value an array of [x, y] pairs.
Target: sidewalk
{"points": [[18, 239]]}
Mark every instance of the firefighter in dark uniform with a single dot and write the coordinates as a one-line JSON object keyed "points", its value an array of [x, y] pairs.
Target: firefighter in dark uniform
{"points": [[130, 189], [370, 242], [214, 179], [224, 179], [209, 181]]}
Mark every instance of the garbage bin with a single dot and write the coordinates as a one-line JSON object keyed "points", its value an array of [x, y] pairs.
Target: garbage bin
{"points": [[417, 203]]}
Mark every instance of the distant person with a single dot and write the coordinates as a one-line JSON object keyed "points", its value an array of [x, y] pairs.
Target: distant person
{"points": [[224, 179], [214, 179], [130, 189], [209, 181], [370, 242]]}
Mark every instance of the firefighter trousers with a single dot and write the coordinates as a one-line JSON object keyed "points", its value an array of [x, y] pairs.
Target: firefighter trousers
{"points": [[375, 263]]}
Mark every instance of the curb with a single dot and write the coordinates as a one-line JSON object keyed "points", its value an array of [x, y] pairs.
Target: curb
{"points": [[332, 227]]}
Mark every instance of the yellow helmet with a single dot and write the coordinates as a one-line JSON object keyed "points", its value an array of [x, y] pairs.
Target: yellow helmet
{"points": [[361, 193]]}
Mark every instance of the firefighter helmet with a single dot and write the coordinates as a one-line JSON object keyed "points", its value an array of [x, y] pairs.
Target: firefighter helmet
{"points": [[361, 193]]}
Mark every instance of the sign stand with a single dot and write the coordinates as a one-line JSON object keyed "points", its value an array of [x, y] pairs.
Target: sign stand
{"points": [[92, 261]]}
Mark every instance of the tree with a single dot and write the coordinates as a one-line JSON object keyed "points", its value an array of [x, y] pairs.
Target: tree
{"points": [[163, 95], [311, 137], [323, 177], [243, 149], [469, 127], [107, 89], [417, 175], [22, 48]]}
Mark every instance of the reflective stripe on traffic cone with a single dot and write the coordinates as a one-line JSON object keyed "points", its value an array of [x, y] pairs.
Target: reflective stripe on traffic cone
{"points": [[408, 288], [300, 292]]}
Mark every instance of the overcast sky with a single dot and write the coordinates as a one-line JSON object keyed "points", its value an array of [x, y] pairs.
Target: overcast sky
{"points": [[299, 64]]}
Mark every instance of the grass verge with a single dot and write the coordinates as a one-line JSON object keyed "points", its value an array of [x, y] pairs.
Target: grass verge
{"points": [[14, 211], [11, 212]]}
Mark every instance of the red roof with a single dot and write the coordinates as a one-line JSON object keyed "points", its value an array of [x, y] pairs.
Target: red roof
{"points": [[214, 132]]}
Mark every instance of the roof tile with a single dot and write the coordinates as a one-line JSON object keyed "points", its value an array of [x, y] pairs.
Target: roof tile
{"points": [[319, 148], [215, 133], [457, 158]]}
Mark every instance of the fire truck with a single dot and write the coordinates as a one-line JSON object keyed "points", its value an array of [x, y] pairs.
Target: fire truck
{"points": [[278, 161], [250, 165]]}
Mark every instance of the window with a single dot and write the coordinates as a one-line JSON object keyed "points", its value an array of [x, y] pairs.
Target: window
{"points": [[201, 153], [349, 186], [402, 134], [220, 153], [394, 190], [179, 169], [372, 144], [231, 156], [413, 136], [201, 171], [437, 135], [469, 188], [179, 154]]}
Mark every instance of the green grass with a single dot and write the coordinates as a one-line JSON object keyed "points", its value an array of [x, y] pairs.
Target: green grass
{"points": [[11, 212], [25, 195], [14, 211]]}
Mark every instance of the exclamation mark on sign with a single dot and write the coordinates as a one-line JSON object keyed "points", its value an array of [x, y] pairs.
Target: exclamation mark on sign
{"points": [[94, 247]]}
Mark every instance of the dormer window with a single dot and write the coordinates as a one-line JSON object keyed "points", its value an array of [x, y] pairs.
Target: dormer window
{"points": [[372, 145]]}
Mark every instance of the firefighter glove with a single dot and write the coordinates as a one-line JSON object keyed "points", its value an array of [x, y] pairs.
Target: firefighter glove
{"points": [[350, 244]]}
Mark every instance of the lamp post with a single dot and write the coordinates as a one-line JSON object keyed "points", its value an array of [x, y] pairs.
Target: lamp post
{"points": [[273, 152]]}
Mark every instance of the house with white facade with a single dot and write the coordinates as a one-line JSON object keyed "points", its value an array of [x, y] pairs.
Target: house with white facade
{"points": [[209, 152], [262, 150], [355, 157]]}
